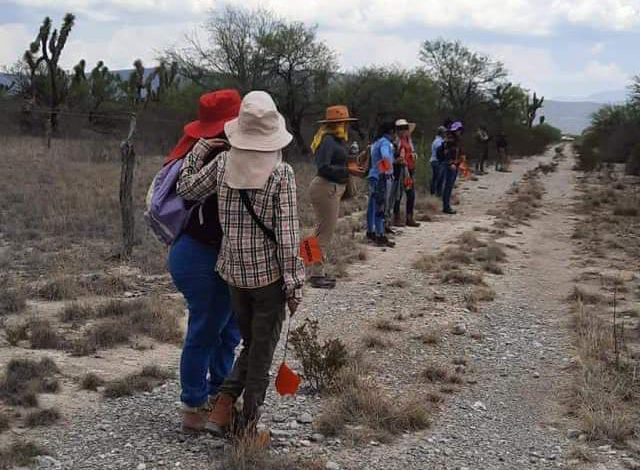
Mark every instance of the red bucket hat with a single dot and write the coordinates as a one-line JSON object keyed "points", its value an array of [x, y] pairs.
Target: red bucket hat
{"points": [[214, 111]]}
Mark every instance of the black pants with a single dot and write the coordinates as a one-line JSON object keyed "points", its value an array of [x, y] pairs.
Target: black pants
{"points": [[411, 195], [260, 314], [484, 156]]}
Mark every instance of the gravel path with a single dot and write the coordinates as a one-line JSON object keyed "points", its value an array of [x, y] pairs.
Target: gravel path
{"points": [[509, 417]]}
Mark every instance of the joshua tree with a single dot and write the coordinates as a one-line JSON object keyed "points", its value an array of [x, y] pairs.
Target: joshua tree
{"points": [[167, 78], [533, 105], [102, 86], [47, 48]]}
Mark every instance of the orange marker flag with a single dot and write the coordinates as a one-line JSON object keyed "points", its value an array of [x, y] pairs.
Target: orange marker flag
{"points": [[384, 166], [310, 251]]}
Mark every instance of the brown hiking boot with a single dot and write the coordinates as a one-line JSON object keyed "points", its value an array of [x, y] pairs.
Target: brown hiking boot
{"points": [[221, 415], [397, 221], [194, 419], [411, 222]]}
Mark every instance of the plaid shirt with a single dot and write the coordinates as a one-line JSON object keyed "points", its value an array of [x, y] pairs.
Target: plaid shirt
{"points": [[248, 259]]}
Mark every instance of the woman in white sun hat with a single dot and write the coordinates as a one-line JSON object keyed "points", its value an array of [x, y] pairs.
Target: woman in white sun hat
{"points": [[259, 257]]}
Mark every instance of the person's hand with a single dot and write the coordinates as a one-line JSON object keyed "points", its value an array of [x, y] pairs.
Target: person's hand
{"points": [[453, 166], [293, 304]]}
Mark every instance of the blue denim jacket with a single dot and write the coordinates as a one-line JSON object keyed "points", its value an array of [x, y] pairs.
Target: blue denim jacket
{"points": [[382, 149]]}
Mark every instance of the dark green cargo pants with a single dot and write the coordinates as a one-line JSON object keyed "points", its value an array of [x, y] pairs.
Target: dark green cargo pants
{"points": [[260, 314]]}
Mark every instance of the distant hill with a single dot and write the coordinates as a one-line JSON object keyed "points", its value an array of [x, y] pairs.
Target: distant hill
{"points": [[571, 117]]}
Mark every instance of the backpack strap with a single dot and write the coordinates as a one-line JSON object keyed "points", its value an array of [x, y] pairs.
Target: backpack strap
{"points": [[270, 234]]}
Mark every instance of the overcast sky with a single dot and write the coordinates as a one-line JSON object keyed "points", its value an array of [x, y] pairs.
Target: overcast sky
{"points": [[557, 47]]}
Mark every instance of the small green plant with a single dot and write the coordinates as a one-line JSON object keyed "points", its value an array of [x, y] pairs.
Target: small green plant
{"points": [[320, 362]]}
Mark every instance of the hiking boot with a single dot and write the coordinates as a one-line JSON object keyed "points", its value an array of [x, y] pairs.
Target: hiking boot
{"points": [[449, 211], [322, 282], [411, 222], [389, 231], [383, 241], [194, 419], [397, 221], [371, 236], [221, 415]]}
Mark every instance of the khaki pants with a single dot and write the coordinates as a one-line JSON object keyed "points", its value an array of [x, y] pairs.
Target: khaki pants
{"points": [[260, 314], [325, 199]]}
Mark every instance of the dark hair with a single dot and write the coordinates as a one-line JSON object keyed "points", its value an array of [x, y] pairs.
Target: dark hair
{"points": [[387, 127], [447, 122]]}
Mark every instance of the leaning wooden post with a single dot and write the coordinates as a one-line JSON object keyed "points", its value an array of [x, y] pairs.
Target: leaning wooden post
{"points": [[128, 157]]}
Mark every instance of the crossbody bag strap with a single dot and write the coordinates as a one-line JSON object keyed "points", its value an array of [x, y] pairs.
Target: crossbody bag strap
{"points": [[271, 235]]}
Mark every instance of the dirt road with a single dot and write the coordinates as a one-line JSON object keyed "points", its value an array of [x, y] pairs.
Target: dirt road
{"points": [[516, 349]]}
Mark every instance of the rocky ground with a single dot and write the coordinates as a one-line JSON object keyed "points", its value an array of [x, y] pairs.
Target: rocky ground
{"points": [[517, 352]]}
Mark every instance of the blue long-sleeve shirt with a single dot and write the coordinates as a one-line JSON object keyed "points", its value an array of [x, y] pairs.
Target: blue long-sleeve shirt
{"points": [[382, 149], [437, 142]]}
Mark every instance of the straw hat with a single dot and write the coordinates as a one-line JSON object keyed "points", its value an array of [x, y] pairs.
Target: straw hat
{"points": [[403, 123], [338, 113], [257, 138]]}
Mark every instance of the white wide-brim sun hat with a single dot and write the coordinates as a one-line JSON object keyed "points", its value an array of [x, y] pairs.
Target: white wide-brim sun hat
{"points": [[257, 137]]}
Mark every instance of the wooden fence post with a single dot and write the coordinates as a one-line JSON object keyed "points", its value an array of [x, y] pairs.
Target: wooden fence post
{"points": [[128, 160]]}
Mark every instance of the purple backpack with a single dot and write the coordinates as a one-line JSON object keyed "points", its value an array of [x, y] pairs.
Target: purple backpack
{"points": [[166, 214]]}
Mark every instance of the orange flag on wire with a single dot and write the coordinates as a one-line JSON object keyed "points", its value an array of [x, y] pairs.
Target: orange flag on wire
{"points": [[310, 251], [287, 381]]}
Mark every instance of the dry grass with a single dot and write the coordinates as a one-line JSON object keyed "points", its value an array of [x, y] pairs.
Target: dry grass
{"points": [[374, 342], [20, 454], [458, 276], [12, 297], [426, 263], [362, 411], [24, 378], [119, 320], [42, 335], [493, 253], [586, 295], [91, 381], [247, 453], [627, 208], [386, 325], [77, 312], [5, 422], [438, 373], [144, 381], [470, 239], [432, 337], [39, 418], [61, 287], [16, 332]]}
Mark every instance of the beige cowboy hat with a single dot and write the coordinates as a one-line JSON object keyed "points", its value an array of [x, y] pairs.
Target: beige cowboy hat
{"points": [[404, 123], [257, 137]]}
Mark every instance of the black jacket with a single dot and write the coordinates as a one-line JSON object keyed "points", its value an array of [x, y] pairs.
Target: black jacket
{"points": [[331, 160]]}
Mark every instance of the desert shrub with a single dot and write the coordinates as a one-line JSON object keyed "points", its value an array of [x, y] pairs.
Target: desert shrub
{"points": [[61, 287], [42, 417], [320, 362], [374, 342], [491, 253], [627, 208], [16, 332], [144, 381], [426, 263], [431, 337], [76, 313], [24, 378], [5, 422], [439, 373], [105, 285], [247, 453], [12, 297], [457, 276], [91, 382], [42, 335], [385, 325], [20, 454], [359, 403]]}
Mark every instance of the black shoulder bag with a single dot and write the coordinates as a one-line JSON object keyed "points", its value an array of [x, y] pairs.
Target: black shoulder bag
{"points": [[270, 234]]}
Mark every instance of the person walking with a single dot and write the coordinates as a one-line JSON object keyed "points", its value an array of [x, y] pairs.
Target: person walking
{"points": [[405, 180], [449, 158], [327, 188], [482, 139], [212, 332], [259, 258], [437, 173], [380, 173]]}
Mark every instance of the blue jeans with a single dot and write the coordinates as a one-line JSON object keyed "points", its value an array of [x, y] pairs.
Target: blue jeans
{"points": [[437, 179], [375, 210], [212, 332], [450, 176]]}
